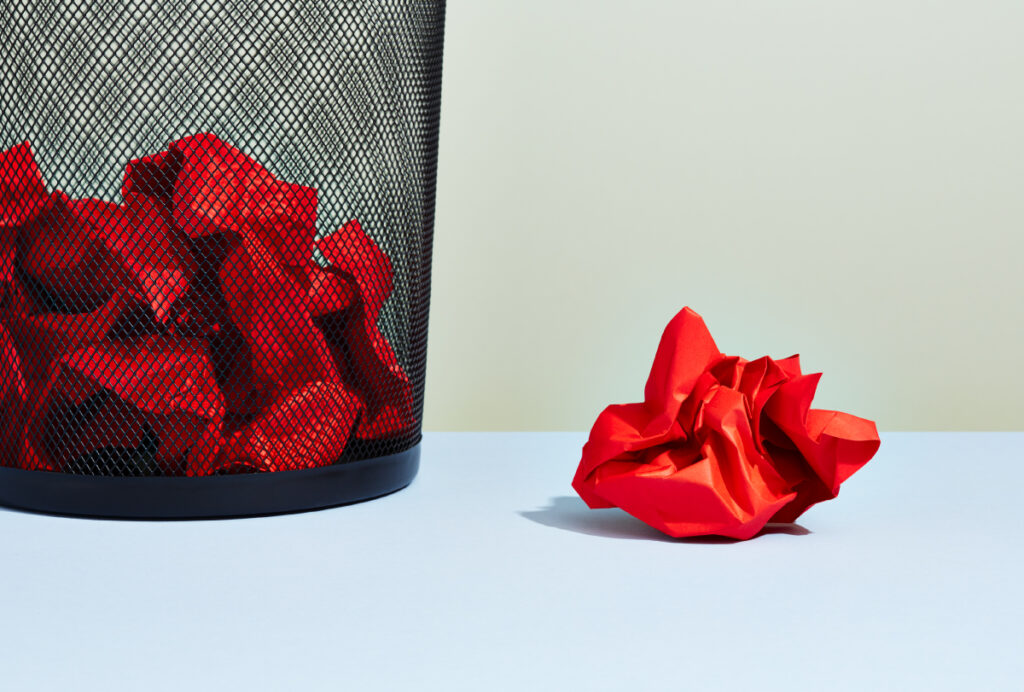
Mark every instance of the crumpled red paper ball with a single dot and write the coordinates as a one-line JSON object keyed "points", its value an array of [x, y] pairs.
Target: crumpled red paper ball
{"points": [[720, 445], [188, 329]]}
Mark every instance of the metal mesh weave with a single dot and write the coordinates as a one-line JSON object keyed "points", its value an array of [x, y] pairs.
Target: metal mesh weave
{"points": [[228, 267]]}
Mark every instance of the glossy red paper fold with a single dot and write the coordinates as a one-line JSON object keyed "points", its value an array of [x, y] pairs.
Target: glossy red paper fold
{"points": [[720, 445]]}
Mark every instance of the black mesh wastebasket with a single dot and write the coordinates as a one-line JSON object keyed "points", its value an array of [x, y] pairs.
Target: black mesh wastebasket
{"points": [[215, 244]]}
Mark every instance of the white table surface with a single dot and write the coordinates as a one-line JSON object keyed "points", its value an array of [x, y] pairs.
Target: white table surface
{"points": [[488, 573]]}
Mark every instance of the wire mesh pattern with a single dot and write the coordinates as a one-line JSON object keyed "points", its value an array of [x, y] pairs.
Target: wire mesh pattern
{"points": [[216, 223]]}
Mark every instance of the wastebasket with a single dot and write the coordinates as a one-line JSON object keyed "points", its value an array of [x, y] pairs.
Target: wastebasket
{"points": [[215, 245]]}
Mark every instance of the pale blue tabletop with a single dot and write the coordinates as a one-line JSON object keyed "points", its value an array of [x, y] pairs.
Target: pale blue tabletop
{"points": [[489, 574]]}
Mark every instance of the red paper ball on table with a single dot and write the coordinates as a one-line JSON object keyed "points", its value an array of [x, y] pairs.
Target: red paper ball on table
{"points": [[720, 445]]}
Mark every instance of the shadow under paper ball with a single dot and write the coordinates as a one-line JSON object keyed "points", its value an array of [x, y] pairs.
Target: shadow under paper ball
{"points": [[572, 514]]}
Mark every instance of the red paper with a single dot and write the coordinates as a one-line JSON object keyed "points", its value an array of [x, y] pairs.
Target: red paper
{"points": [[23, 197], [219, 189], [153, 176], [328, 292], [305, 428], [97, 423], [64, 254], [185, 326], [385, 386], [13, 393], [284, 216], [169, 378], [269, 307], [138, 234], [720, 445], [211, 191], [22, 190], [351, 251], [44, 338], [360, 351]]}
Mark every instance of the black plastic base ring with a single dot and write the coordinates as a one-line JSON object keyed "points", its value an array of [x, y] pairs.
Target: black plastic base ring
{"points": [[239, 495]]}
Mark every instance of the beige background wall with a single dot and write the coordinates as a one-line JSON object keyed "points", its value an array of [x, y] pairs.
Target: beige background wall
{"points": [[842, 179]]}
